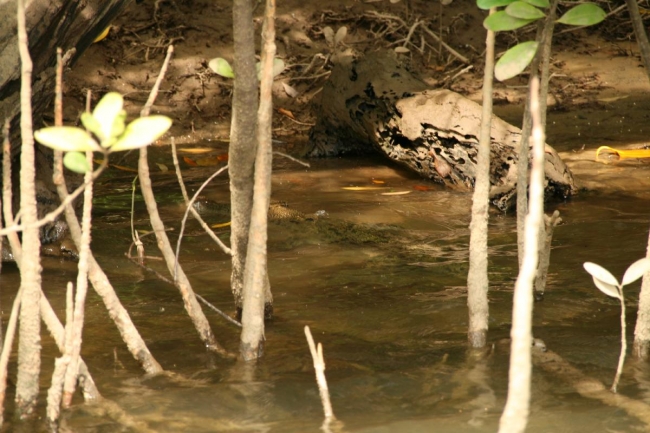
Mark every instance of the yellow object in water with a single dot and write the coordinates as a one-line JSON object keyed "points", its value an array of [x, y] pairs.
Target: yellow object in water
{"points": [[103, 35], [624, 154]]}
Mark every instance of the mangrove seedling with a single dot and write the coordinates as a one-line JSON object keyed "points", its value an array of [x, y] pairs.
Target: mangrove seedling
{"points": [[105, 124], [521, 13], [610, 286]]}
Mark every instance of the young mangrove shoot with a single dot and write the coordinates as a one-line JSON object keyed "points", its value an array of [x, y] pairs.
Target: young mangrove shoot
{"points": [[610, 286]]}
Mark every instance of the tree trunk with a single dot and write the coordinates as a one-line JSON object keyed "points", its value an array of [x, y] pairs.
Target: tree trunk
{"points": [[477, 276], [375, 104], [241, 155]]}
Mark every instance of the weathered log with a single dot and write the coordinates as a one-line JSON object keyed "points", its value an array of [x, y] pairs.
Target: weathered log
{"points": [[375, 104]]}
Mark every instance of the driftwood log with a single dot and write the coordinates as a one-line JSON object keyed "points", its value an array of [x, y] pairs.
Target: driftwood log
{"points": [[375, 104]]}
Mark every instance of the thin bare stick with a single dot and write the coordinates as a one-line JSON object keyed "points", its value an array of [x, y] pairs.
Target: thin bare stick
{"points": [[134, 234], [190, 208], [444, 44], [98, 278], [154, 91], [284, 155], [161, 277], [319, 367], [190, 302], [218, 311], [54, 394], [6, 351], [515, 415], [410, 33], [195, 214], [51, 216], [70, 382]]}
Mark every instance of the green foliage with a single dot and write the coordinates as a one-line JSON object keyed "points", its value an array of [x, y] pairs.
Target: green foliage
{"points": [[76, 161], [585, 14], [221, 66], [519, 13], [108, 124], [488, 4], [502, 21], [524, 11], [539, 3], [515, 60]]}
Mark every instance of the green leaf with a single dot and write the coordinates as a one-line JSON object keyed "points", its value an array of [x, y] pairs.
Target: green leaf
{"points": [[515, 60], [585, 14], [635, 271], [487, 4], [525, 11], [141, 132], [539, 3], [76, 161], [221, 67], [603, 279], [66, 139], [107, 109], [278, 67], [501, 21], [90, 123]]}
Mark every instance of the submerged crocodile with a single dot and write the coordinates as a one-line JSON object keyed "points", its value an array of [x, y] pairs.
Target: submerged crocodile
{"points": [[316, 226]]}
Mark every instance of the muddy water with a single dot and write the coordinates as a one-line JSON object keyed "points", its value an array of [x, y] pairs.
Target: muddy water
{"points": [[391, 316]]}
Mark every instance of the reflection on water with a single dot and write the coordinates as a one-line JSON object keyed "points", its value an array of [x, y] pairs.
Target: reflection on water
{"points": [[391, 315]]}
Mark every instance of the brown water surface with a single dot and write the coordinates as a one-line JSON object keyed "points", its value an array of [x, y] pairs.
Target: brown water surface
{"points": [[392, 316]]}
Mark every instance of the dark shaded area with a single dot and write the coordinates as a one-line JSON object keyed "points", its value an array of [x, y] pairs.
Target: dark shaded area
{"points": [[71, 25]]}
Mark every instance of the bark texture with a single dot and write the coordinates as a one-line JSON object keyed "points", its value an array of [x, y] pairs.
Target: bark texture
{"points": [[477, 277], [241, 155], [375, 104]]}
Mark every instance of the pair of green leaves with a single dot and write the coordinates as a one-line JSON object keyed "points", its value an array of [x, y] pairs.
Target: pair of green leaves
{"points": [[221, 67], [519, 13], [107, 123]]}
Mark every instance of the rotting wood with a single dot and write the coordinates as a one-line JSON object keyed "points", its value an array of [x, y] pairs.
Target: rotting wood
{"points": [[375, 104]]}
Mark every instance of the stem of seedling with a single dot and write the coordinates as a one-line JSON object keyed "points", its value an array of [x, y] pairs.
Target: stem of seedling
{"points": [[621, 358]]}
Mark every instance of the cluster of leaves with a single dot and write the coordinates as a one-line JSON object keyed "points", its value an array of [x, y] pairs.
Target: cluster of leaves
{"points": [[519, 13], [106, 124]]}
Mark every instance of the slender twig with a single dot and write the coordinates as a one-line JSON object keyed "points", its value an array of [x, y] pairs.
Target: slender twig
{"points": [[284, 155], [195, 214], [444, 44], [70, 381], [51, 216], [190, 302], [6, 351], [190, 208], [319, 367], [218, 311], [154, 91], [54, 394], [98, 278], [515, 414]]}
